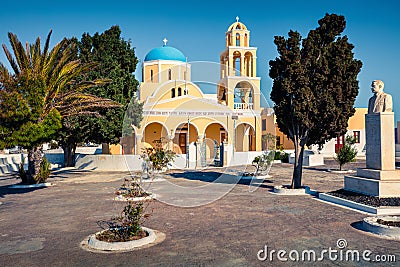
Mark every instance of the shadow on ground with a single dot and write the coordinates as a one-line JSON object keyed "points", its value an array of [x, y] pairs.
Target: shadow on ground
{"points": [[213, 177]]}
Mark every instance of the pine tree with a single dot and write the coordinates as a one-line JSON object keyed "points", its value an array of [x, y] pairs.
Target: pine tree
{"points": [[314, 86]]}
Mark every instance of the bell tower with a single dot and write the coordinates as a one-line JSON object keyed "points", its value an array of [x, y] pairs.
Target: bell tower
{"points": [[239, 87]]}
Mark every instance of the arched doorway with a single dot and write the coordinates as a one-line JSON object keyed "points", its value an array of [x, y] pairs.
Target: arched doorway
{"points": [[214, 134], [153, 133], [245, 138], [182, 132]]}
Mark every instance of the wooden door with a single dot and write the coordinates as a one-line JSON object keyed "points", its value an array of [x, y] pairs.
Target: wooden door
{"points": [[339, 143], [182, 142]]}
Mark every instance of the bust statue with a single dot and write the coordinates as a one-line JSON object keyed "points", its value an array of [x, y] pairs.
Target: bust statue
{"points": [[380, 102]]}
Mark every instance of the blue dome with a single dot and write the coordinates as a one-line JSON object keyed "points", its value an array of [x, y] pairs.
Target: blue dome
{"points": [[165, 53]]}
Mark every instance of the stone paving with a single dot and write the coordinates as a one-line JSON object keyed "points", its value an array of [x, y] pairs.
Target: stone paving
{"points": [[44, 227]]}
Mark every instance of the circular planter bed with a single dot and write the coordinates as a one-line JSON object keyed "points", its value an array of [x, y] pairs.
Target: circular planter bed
{"points": [[142, 198], [96, 244], [251, 176], [19, 186], [341, 172], [286, 190], [383, 225], [155, 179]]}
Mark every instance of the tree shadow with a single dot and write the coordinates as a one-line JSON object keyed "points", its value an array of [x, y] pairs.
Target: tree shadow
{"points": [[219, 177], [67, 173], [7, 190]]}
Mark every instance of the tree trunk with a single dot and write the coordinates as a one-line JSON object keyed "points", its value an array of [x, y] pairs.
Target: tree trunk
{"points": [[298, 166], [35, 158], [69, 154]]}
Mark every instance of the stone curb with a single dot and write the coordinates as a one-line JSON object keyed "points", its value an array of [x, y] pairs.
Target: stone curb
{"points": [[358, 206], [135, 199], [341, 172], [41, 185], [280, 190], [96, 244]]}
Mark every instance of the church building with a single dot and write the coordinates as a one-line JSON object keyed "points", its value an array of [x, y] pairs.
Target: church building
{"points": [[191, 123]]}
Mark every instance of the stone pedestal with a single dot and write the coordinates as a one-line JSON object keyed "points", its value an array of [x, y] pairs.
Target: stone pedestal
{"points": [[380, 177], [380, 145]]}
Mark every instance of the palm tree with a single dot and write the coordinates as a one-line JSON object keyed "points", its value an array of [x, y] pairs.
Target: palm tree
{"points": [[41, 90]]}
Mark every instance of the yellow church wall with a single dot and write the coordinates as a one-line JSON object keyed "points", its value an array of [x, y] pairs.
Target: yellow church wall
{"points": [[115, 149], [163, 93], [357, 121], [146, 89], [147, 73]]}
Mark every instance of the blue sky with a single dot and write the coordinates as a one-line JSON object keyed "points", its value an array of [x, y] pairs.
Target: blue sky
{"points": [[198, 28]]}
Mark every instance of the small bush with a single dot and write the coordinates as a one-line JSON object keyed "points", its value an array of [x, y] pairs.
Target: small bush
{"points": [[347, 153], [53, 145], [263, 162], [282, 156], [22, 173], [158, 156], [44, 171]]}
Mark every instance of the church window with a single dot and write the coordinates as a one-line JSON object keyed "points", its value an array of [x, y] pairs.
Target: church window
{"points": [[179, 91], [172, 92], [151, 75], [169, 74], [357, 136]]}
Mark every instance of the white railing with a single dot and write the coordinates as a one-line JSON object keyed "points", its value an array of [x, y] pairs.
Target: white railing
{"points": [[243, 105]]}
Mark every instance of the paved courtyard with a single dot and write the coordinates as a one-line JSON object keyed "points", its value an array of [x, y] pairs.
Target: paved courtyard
{"points": [[44, 227]]}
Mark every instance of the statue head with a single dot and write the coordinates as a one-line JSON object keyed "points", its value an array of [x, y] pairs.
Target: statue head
{"points": [[377, 86]]}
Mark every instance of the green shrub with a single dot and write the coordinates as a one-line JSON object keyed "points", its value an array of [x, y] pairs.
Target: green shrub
{"points": [[44, 171], [282, 156], [158, 156], [263, 162], [22, 173], [53, 145], [347, 153]]}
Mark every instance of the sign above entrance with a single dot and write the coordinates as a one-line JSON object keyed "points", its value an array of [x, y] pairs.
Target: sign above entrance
{"points": [[191, 113]]}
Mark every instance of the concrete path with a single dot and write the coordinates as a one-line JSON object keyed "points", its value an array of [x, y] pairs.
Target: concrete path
{"points": [[44, 227]]}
